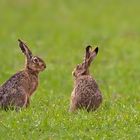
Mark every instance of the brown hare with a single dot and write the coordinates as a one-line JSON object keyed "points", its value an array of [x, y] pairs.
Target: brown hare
{"points": [[86, 93], [16, 92]]}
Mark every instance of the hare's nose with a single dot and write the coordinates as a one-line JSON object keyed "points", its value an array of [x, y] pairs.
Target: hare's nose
{"points": [[44, 66]]}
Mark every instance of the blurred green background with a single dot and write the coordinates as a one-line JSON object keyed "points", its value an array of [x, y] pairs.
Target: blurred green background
{"points": [[58, 31]]}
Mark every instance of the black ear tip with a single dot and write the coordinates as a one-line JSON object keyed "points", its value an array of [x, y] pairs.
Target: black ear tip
{"points": [[19, 40], [96, 50], [88, 47], [21, 45]]}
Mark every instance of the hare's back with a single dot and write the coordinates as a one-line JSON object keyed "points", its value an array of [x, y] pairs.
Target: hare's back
{"points": [[87, 93], [86, 86], [14, 83]]}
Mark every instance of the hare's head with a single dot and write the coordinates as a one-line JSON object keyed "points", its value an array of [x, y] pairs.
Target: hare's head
{"points": [[33, 63], [83, 69]]}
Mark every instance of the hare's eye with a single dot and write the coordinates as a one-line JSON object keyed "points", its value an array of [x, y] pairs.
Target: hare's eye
{"points": [[35, 60]]}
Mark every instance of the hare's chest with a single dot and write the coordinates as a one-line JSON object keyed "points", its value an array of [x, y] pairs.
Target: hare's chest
{"points": [[33, 84]]}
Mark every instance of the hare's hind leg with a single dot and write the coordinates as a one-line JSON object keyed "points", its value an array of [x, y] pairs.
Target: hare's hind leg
{"points": [[73, 106], [21, 101], [14, 100], [74, 102]]}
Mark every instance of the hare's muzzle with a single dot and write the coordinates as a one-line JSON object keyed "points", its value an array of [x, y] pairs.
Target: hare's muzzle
{"points": [[43, 67]]}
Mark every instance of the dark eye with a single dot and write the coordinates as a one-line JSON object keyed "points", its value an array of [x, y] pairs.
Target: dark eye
{"points": [[35, 60]]}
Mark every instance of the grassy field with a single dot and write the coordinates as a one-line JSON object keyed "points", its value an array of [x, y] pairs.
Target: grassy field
{"points": [[58, 31]]}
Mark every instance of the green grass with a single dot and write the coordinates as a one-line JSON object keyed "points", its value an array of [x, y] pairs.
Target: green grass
{"points": [[58, 31]]}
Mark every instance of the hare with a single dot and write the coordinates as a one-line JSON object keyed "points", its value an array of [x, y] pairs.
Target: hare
{"points": [[86, 93], [16, 92]]}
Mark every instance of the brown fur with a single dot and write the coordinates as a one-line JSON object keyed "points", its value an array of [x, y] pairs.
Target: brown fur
{"points": [[17, 90], [86, 93]]}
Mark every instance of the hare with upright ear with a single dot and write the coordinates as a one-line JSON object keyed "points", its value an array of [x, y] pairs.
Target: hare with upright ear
{"points": [[86, 93], [16, 92]]}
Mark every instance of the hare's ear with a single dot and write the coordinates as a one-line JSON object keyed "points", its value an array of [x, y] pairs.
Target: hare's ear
{"points": [[87, 55], [25, 49], [93, 55]]}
